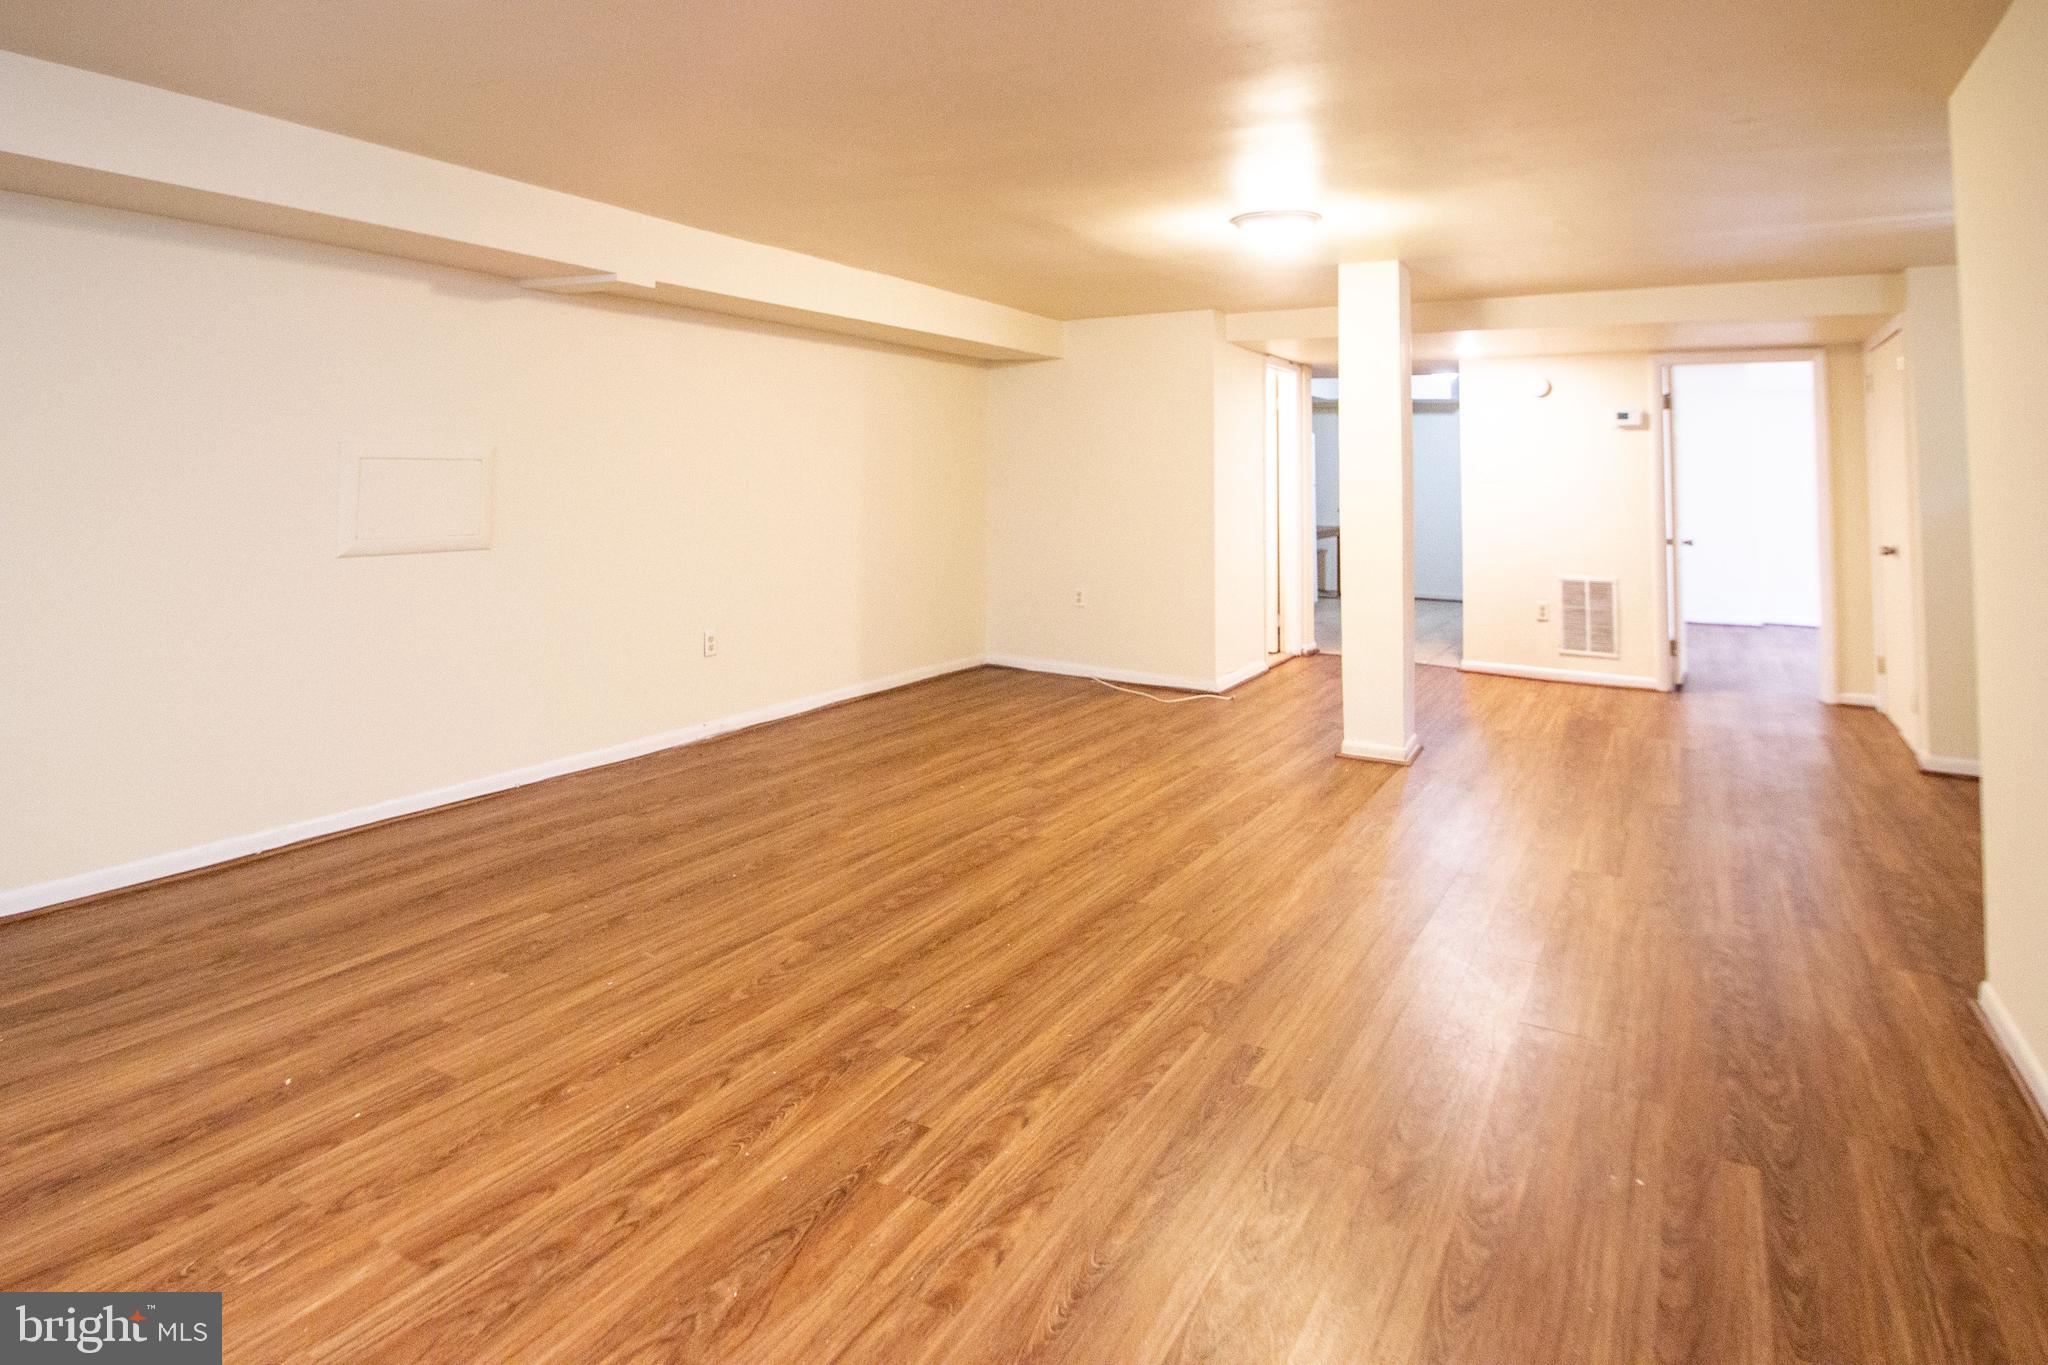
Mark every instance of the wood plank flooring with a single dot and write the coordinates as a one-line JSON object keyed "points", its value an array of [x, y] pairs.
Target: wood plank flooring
{"points": [[1008, 1018]]}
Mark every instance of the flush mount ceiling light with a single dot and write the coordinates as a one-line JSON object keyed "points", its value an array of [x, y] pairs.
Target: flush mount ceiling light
{"points": [[1277, 230]]}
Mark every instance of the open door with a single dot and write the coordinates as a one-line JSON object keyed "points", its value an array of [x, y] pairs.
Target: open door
{"points": [[1674, 542]]}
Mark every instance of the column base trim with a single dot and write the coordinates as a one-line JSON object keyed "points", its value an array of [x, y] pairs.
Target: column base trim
{"points": [[1382, 753]]}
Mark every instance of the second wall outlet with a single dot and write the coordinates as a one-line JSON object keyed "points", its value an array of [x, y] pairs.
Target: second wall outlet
{"points": [[1542, 613], [710, 644], [1080, 598]]}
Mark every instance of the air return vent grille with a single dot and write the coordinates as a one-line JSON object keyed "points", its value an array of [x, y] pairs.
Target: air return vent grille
{"points": [[1587, 621]]}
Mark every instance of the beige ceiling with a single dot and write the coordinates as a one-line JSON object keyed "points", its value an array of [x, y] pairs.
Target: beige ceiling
{"points": [[1081, 157]]}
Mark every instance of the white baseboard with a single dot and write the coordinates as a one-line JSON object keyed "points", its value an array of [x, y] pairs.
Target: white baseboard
{"points": [[1570, 675], [1949, 767], [21, 900], [1853, 699], [1242, 675], [1126, 675], [1382, 753], [2006, 1033]]}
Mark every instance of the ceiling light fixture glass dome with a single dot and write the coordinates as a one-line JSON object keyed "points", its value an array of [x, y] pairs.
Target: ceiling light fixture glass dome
{"points": [[1278, 231]]}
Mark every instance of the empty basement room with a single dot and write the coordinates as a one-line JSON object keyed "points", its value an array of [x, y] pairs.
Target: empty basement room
{"points": [[661, 700]]}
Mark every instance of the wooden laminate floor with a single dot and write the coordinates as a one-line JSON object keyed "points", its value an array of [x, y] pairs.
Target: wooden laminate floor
{"points": [[1009, 1018]]}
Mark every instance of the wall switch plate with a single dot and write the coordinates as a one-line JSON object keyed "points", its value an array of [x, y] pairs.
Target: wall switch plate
{"points": [[1631, 417], [710, 644]]}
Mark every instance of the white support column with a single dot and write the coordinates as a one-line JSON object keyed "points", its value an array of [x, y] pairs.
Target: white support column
{"points": [[1375, 444]]}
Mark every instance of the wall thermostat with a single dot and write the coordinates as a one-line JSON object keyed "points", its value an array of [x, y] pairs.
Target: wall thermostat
{"points": [[1631, 417]]}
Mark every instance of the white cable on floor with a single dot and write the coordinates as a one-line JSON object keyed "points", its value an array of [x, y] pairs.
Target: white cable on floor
{"points": [[1163, 701]]}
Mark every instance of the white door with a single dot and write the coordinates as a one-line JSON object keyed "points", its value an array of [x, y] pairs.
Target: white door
{"points": [[1891, 524], [1674, 566]]}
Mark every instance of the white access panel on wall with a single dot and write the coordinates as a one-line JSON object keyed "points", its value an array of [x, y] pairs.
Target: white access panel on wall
{"points": [[407, 502]]}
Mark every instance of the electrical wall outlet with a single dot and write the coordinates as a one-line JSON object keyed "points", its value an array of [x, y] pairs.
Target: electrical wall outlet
{"points": [[710, 644], [1080, 598], [1543, 611]]}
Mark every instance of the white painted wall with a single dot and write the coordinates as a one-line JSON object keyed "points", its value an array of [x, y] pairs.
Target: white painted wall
{"points": [[176, 396], [1130, 470], [1439, 507], [1242, 516], [1552, 488], [1934, 376], [1748, 496], [187, 659], [1849, 503], [1998, 122]]}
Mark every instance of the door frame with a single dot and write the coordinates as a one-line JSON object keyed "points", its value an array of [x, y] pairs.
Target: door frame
{"points": [[1668, 607], [1670, 590], [1290, 543]]}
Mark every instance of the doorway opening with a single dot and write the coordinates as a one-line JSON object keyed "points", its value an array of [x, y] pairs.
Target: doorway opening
{"points": [[1748, 549], [1329, 546], [1439, 521]]}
